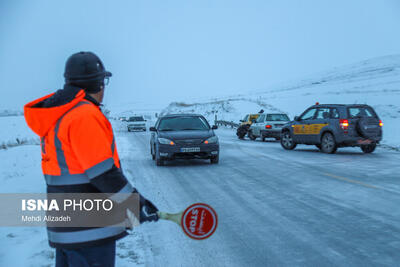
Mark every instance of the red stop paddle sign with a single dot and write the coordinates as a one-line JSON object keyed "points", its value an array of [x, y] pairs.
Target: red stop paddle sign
{"points": [[199, 221]]}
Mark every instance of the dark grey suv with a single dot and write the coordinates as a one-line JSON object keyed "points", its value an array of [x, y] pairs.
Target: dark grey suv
{"points": [[331, 126], [183, 136]]}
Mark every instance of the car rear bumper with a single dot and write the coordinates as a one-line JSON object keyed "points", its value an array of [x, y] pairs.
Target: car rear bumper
{"points": [[358, 141], [271, 133], [202, 151]]}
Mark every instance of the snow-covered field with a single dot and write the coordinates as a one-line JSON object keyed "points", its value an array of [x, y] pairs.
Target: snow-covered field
{"points": [[375, 82], [14, 131]]}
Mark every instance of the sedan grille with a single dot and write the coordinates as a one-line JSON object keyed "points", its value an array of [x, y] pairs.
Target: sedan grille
{"points": [[189, 142]]}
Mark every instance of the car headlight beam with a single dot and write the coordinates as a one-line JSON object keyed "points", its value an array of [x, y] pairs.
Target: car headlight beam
{"points": [[165, 141], [211, 140]]}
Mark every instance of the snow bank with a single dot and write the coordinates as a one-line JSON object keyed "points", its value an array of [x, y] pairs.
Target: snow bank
{"points": [[15, 132], [20, 172]]}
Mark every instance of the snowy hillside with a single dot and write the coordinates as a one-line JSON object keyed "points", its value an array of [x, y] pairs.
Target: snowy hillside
{"points": [[375, 82], [15, 132], [8, 112], [129, 108]]}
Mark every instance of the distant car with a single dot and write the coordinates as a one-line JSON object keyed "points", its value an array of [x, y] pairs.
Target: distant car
{"points": [[136, 123], [268, 125], [245, 124], [249, 119], [331, 126], [183, 136]]}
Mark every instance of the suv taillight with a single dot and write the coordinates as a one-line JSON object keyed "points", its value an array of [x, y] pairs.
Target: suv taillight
{"points": [[380, 123], [268, 126], [344, 124]]}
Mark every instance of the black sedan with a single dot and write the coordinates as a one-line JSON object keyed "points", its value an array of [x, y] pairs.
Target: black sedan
{"points": [[183, 136]]}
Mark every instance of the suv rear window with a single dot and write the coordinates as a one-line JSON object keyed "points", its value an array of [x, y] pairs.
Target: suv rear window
{"points": [[277, 117], [357, 112], [334, 113], [323, 113]]}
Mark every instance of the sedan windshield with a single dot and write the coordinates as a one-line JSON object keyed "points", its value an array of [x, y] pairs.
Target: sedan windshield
{"points": [[277, 117], [183, 124], [138, 118]]}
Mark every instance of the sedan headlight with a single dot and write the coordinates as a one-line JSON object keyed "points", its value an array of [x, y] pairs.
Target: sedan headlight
{"points": [[211, 140], [165, 141]]}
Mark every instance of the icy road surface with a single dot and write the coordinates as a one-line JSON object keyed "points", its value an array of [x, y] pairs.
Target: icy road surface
{"points": [[275, 207]]}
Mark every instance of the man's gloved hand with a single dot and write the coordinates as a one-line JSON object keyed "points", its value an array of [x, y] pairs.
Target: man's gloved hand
{"points": [[148, 212]]}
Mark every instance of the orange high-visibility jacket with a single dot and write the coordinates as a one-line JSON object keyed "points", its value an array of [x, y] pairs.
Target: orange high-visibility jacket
{"points": [[77, 140], [79, 155]]}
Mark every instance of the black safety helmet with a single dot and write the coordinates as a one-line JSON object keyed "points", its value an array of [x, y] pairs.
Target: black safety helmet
{"points": [[85, 69]]}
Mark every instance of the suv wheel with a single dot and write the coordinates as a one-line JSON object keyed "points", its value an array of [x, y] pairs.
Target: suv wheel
{"points": [[368, 148], [287, 141], [328, 143]]}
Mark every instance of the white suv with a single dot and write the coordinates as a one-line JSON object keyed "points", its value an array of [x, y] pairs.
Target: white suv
{"points": [[268, 125], [136, 123]]}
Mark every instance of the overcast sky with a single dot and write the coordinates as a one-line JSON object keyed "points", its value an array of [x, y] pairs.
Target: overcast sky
{"points": [[161, 51]]}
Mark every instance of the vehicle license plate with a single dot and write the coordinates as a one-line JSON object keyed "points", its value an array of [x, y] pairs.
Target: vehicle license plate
{"points": [[190, 149]]}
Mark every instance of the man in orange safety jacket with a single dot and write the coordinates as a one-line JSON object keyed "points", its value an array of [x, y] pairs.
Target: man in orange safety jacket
{"points": [[79, 155]]}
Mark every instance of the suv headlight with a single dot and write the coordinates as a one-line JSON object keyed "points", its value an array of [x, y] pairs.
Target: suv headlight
{"points": [[165, 141], [211, 140]]}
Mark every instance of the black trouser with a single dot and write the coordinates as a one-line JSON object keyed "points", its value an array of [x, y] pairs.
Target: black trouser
{"points": [[99, 256]]}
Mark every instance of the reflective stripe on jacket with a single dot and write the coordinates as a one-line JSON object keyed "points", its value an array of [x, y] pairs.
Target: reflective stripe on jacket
{"points": [[79, 147]]}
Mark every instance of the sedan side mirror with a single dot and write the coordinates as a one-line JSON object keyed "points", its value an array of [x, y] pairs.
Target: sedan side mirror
{"points": [[153, 129], [214, 127], [296, 118]]}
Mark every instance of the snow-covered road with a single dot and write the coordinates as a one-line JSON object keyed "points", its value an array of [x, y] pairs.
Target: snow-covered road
{"points": [[275, 207]]}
